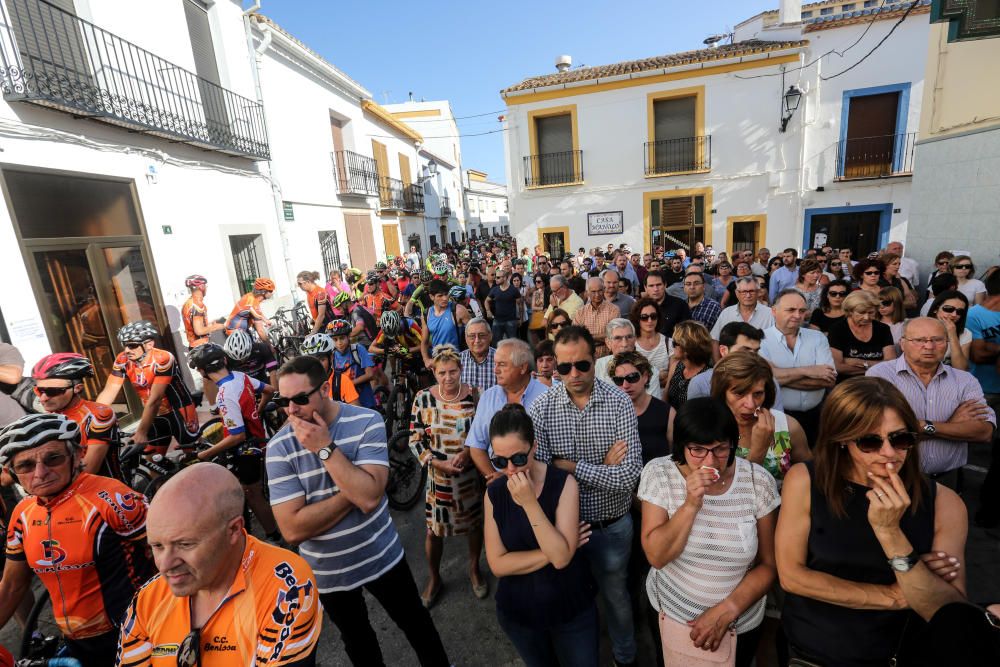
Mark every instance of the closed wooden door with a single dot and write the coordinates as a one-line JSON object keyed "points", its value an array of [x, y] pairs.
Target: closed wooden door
{"points": [[360, 241]]}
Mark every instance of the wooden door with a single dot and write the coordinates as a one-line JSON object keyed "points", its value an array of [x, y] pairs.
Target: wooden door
{"points": [[360, 242], [404, 170], [390, 236], [871, 130]]}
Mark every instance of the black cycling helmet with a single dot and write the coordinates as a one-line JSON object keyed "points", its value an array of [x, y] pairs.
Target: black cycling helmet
{"points": [[208, 358], [339, 328], [137, 332]]}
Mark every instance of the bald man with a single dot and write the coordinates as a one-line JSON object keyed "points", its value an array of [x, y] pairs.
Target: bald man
{"points": [[222, 597]]}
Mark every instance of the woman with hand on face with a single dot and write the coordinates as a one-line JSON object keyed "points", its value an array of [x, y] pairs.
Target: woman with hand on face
{"points": [[697, 504], [545, 594], [439, 423], [843, 606], [951, 307]]}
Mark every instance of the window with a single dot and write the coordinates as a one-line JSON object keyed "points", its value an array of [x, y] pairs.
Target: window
{"points": [[472, 204], [329, 248], [676, 141], [554, 159], [825, 11], [504, 205], [871, 3], [807, 14], [494, 205], [434, 241], [206, 66], [677, 222], [848, 8], [872, 145], [454, 238], [248, 254]]}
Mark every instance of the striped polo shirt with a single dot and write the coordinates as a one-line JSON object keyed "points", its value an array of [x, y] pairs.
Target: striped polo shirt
{"points": [[360, 547]]}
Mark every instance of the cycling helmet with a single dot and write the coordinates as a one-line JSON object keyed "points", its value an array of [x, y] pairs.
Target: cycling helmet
{"points": [[339, 328], [63, 366], [36, 430], [391, 323], [137, 332], [238, 346], [263, 285], [457, 293], [208, 357], [195, 280], [341, 299], [380, 266], [426, 277], [317, 343], [393, 273], [371, 278], [352, 274]]}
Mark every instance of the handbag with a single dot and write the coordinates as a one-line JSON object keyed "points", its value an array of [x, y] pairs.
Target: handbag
{"points": [[680, 651], [537, 320]]}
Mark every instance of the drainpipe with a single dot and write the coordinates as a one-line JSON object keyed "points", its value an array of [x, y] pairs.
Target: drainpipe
{"points": [[268, 168]]}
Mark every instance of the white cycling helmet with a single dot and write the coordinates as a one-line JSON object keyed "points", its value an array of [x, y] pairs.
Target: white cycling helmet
{"points": [[32, 431], [238, 345], [391, 323], [317, 343]]}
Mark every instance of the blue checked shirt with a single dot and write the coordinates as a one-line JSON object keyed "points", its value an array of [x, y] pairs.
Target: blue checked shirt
{"points": [[563, 431], [707, 312], [479, 375]]}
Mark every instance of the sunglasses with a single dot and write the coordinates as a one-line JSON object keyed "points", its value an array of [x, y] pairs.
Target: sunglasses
{"points": [[49, 460], [631, 378], [583, 366], [943, 262], [967, 267], [834, 263], [873, 273], [886, 303], [52, 391], [839, 294], [557, 325], [645, 317], [132, 346], [899, 440], [298, 399], [187, 652], [952, 309], [519, 459]]}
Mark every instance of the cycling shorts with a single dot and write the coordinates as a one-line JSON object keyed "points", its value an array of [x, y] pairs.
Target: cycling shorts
{"points": [[165, 427]]}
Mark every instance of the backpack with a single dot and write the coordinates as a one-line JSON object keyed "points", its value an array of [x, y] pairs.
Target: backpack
{"points": [[371, 327]]}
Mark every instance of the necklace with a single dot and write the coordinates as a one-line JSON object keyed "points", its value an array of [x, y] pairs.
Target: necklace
{"points": [[452, 399]]}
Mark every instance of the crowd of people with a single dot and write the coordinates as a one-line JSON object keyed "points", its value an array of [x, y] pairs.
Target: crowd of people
{"points": [[750, 458]]}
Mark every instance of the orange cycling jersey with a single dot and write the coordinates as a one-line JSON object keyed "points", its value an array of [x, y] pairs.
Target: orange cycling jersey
{"points": [[271, 615], [377, 302], [316, 298], [88, 547], [246, 311], [194, 308], [98, 425], [156, 367], [348, 392]]}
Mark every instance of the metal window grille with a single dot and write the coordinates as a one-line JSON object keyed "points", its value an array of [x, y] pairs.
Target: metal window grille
{"points": [[330, 249], [245, 260]]}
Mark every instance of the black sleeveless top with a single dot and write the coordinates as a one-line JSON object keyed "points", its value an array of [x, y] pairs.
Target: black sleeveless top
{"points": [[547, 596], [653, 430], [846, 547]]}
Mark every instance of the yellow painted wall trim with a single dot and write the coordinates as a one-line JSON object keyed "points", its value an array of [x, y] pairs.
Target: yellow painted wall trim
{"points": [[600, 87], [555, 111], [388, 119], [648, 197], [419, 113], [698, 93], [761, 238], [554, 230], [554, 185], [678, 173], [475, 175]]}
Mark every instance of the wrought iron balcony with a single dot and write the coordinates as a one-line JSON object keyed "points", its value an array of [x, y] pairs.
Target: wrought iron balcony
{"points": [[672, 156], [356, 174], [563, 168], [413, 198], [390, 194], [445, 206], [55, 59], [875, 157]]}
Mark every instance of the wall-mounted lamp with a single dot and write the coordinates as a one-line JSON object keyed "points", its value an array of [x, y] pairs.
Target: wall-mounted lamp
{"points": [[791, 100]]}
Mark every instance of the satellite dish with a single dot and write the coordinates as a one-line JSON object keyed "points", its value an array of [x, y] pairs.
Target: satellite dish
{"points": [[713, 40]]}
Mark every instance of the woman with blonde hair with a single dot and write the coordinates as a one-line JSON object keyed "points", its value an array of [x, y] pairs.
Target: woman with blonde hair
{"points": [[830, 564], [316, 298], [692, 354], [439, 423], [891, 312], [973, 289], [859, 341]]}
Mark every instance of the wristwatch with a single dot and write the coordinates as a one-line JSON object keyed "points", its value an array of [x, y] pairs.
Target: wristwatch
{"points": [[904, 563], [929, 428], [326, 452]]}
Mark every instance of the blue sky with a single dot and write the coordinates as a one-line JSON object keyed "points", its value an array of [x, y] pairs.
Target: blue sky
{"points": [[466, 52]]}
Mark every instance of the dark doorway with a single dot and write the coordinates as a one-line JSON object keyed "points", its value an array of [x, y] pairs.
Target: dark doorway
{"points": [[858, 230]]}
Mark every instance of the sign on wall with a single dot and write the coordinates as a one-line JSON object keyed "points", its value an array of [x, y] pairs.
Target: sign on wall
{"points": [[608, 222]]}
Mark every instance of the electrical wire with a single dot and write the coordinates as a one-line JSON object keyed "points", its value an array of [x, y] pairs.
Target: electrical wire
{"points": [[409, 121], [446, 136], [880, 43]]}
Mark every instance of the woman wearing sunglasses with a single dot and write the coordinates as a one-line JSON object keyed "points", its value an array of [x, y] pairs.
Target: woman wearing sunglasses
{"points": [[649, 342], [697, 504], [951, 308], [632, 372], [831, 306], [691, 356], [942, 264], [545, 593], [558, 320], [971, 287], [843, 605], [867, 275]]}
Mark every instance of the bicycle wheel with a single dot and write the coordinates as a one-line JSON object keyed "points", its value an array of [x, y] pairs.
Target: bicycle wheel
{"points": [[397, 412], [41, 637], [406, 476]]}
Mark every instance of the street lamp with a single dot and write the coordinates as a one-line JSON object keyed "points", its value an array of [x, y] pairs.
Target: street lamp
{"points": [[429, 171], [791, 102]]}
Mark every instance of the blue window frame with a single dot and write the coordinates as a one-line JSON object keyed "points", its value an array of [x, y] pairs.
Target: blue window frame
{"points": [[902, 113]]}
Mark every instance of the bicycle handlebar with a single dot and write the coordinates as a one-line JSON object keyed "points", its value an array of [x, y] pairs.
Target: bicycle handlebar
{"points": [[50, 662]]}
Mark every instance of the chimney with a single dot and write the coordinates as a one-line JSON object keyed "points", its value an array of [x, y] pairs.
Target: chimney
{"points": [[790, 11], [563, 63]]}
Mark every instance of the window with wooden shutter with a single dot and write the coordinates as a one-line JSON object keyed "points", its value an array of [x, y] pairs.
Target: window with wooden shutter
{"points": [[49, 41], [206, 66]]}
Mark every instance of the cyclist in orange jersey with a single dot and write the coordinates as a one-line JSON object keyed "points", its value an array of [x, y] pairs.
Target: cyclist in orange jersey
{"points": [[168, 410], [83, 535], [59, 386], [247, 313], [222, 598], [374, 299], [197, 328], [316, 298]]}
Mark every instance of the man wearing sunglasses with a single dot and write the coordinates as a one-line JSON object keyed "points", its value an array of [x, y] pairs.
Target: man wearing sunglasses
{"points": [[222, 597], [327, 471], [59, 386], [590, 429], [83, 535]]}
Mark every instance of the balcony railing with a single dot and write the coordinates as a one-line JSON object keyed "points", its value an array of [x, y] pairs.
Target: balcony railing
{"points": [[54, 59], [553, 169], [671, 156], [445, 206], [413, 198], [875, 157], [356, 174], [390, 194]]}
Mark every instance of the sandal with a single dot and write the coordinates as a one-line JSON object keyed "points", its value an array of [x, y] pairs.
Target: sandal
{"points": [[482, 589]]}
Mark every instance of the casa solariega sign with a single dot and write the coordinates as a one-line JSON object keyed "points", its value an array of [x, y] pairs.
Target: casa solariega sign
{"points": [[606, 222]]}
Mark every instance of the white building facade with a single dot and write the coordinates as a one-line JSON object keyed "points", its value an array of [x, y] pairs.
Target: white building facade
{"points": [[487, 205], [689, 147]]}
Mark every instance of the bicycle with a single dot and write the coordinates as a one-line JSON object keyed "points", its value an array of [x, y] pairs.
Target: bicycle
{"points": [[407, 478], [42, 639], [406, 382], [291, 326], [146, 474]]}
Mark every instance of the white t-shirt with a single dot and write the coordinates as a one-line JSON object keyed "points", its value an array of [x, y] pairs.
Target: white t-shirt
{"points": [[726, 525], [971, 288], [964, 339], [659, 357]]}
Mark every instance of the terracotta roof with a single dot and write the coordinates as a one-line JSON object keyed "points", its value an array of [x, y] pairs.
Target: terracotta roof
{"points": [[864, 16], [724, 52]]}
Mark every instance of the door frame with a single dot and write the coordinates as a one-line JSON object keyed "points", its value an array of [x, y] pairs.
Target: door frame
{"points": [[884, 221], [759, 238], [542, 231], [902, 115], [647, 223]]}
